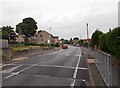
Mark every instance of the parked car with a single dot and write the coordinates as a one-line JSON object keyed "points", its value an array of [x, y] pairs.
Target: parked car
{"points": [[65, 46]]}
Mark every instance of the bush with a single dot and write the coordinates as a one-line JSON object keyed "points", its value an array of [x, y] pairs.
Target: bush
{"points": [[95, 38], [110, 42], [102, 42], [57, 44], [86, 44], [113, 41], [5, 57]]}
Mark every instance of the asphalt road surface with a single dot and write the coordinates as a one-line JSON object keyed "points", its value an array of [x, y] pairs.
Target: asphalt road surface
{"points": [[65, 67]]}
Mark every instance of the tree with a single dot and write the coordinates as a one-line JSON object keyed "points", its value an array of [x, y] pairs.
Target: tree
{"points": [[113, 41], [8, 32], [95, 37], [102, 42], [71, 41], [80, 42], [76, 38], [28, 27], [66, 41]]}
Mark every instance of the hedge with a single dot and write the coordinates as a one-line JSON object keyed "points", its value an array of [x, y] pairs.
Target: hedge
{"points": [[110, 42], [102, 42]]}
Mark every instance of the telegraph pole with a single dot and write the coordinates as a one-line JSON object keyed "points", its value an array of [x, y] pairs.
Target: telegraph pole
{"points": [[87, 32], [88, 36]]}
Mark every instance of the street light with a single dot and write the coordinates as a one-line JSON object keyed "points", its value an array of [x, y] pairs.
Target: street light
{"points": [[9, 47], [87, 32]]}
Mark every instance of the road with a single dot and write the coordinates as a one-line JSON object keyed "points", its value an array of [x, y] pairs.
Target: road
{"points": [[66, 67]]}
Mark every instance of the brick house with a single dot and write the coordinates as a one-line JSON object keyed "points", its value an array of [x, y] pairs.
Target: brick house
{"points": [[20, 38], [43, 37], [55, 39]]}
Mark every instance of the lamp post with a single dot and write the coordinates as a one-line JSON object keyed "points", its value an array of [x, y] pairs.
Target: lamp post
{"points": [[9, 47], [88, 35], [50, 34], [87, 32]]}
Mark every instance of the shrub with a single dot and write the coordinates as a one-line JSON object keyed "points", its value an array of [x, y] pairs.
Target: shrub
{"points": [[95, 38], [57, 44], [110, 42], [102, 42]]}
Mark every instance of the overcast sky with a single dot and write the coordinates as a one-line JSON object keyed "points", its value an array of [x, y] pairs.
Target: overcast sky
{"points": [[67, 18]]}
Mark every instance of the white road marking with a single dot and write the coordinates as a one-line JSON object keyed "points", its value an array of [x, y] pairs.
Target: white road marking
{"points": [[75, 73], [13, 74], [9, 76], [62, 66], [42, 61], [72, 84], [56, 66], [10, 69], [0, 66], [66, 55], [51, 76], [77, 55], [52, 53]]}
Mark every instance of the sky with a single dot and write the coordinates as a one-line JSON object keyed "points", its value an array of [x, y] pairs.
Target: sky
{"points": [[66, 18]]}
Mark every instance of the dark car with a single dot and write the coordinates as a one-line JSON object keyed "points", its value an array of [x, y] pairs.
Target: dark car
{"points": [[65, 46]]}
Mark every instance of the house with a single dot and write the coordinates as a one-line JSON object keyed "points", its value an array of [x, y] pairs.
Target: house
{"points": [[86, 40], [43, 37], [55, 39], [20, 38]]}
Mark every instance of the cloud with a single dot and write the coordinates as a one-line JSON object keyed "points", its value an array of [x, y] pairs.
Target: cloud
{"points": [[67, 18]]}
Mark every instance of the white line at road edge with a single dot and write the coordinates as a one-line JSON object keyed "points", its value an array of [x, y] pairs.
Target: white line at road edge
{"points": [[75, 73]]}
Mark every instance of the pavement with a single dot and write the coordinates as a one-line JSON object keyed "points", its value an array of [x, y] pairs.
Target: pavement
{"points": [[96, 77], [26, 54], [64, 67]]}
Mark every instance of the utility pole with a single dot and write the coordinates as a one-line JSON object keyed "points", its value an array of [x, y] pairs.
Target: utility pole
{"points": [[49, 29], [9, 47], [49, 40], [87, 32], [88, 36]]}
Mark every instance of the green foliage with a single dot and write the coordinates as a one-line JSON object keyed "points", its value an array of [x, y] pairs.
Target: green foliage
{"points": [[76, 38], [57, 44], [95, 37], [85, 44], [110, 42], [7, 31], [113, 41], [80, 42], [32, 44], [66, 42], [71, 41], [28, 27], [102, 42], [5, 57]]}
